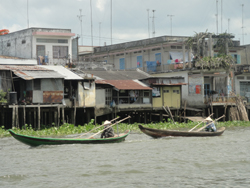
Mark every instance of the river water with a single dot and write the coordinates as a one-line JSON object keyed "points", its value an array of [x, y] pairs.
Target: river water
{"points": [[140, 161]]}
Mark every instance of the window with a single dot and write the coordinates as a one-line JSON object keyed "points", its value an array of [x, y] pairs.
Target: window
{"points": [[41, 40], [40, 50], [60, 52], [37, 84], [8, 44], [240, 77], [176, 91], [146, 93], [156, 92], [206, 89], [23, 41], [108, 96]]}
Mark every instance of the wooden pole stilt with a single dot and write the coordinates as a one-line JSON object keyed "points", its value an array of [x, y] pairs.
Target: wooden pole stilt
{"points": [[2, 116], [74, 111], [58, 115], [63, 119], [13, 116], [35, 121], [17, 119], [55, 117], [24, 117], [39, 116]]}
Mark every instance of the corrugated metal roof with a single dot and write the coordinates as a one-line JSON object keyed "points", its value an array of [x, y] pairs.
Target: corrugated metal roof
{"points": [[118, 74], [21, 67], [30, 74], [12, 61], [127, 84], [176, 84], [68, 75]]}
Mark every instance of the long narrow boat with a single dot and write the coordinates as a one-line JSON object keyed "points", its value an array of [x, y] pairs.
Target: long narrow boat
{"points": [[36, 141], [157, 133]]}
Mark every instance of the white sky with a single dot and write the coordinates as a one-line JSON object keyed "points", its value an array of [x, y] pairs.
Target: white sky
{"points": [[129, 18]]}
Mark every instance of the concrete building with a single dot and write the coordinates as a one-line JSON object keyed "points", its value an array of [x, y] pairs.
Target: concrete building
{"points": [[54, 46]]}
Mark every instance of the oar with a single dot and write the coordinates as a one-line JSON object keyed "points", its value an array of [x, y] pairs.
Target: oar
{"points": [[198, 124], [209, 124], [95, 128], [108, 127]]}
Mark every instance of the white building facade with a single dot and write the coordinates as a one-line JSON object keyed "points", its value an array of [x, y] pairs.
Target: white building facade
{"points": [[54, 46]]}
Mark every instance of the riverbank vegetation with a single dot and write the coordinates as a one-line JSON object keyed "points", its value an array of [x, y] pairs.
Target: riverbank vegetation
{"points": [[70, 129]]}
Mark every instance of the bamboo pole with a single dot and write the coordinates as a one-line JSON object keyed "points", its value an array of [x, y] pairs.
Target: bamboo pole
{"points": [[209, 124], [109, 127], [95, 128], [169, 112], [198, 124]]}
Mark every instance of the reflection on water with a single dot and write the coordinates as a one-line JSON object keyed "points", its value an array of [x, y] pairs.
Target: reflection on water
{"points": [[140, 161]]}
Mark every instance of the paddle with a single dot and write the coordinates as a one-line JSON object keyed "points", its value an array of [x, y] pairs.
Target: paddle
{"points": [[108, 127], [198, 124], [95, 128], [209, 124]]}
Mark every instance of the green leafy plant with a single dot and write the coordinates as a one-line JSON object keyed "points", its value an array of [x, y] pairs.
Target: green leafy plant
{"points": [[3, 96]]}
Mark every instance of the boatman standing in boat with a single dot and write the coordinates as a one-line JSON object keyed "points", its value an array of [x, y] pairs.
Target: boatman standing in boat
{"points": [[211, 127], [108, 132]]}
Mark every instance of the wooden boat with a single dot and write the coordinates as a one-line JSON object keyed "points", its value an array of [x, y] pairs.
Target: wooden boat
{"points": [[36, 141], [157, 133]]}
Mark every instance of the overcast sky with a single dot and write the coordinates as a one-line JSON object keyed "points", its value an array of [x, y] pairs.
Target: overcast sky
{"points": [[129, 18]]}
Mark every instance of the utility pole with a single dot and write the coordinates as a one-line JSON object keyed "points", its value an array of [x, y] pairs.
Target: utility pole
{"points": [[242, 25], [153, 24], [217, 16], [111, 21], [148, 25], [80, 18], [170, 23], [28, 13], [100, 33], [91, 23], [228, 24], [221, 17]]}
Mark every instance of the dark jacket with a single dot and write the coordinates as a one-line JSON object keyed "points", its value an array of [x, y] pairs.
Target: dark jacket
{"points": [[109, 132]]}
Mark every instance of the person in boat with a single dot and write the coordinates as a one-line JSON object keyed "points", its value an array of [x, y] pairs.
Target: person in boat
{"points": [[108, 132], [211, 127]]}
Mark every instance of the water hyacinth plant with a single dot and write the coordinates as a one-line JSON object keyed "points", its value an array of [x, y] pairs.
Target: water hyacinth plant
{"points": [[70, 129]]}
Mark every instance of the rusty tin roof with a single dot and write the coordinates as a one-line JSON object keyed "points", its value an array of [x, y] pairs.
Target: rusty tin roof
{"points": [[125, 84]]}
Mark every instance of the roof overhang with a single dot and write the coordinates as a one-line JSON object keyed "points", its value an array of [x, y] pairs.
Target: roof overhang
{"points": [[45, 33], [177, 84], [31, 75], [125, 84]]}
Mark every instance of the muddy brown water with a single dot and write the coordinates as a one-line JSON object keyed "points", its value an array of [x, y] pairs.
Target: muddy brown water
{"points": [[140, 161]]}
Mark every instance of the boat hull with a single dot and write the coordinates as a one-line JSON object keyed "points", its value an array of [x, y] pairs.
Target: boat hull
{"points": [[157, 133], [36, 141]]}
